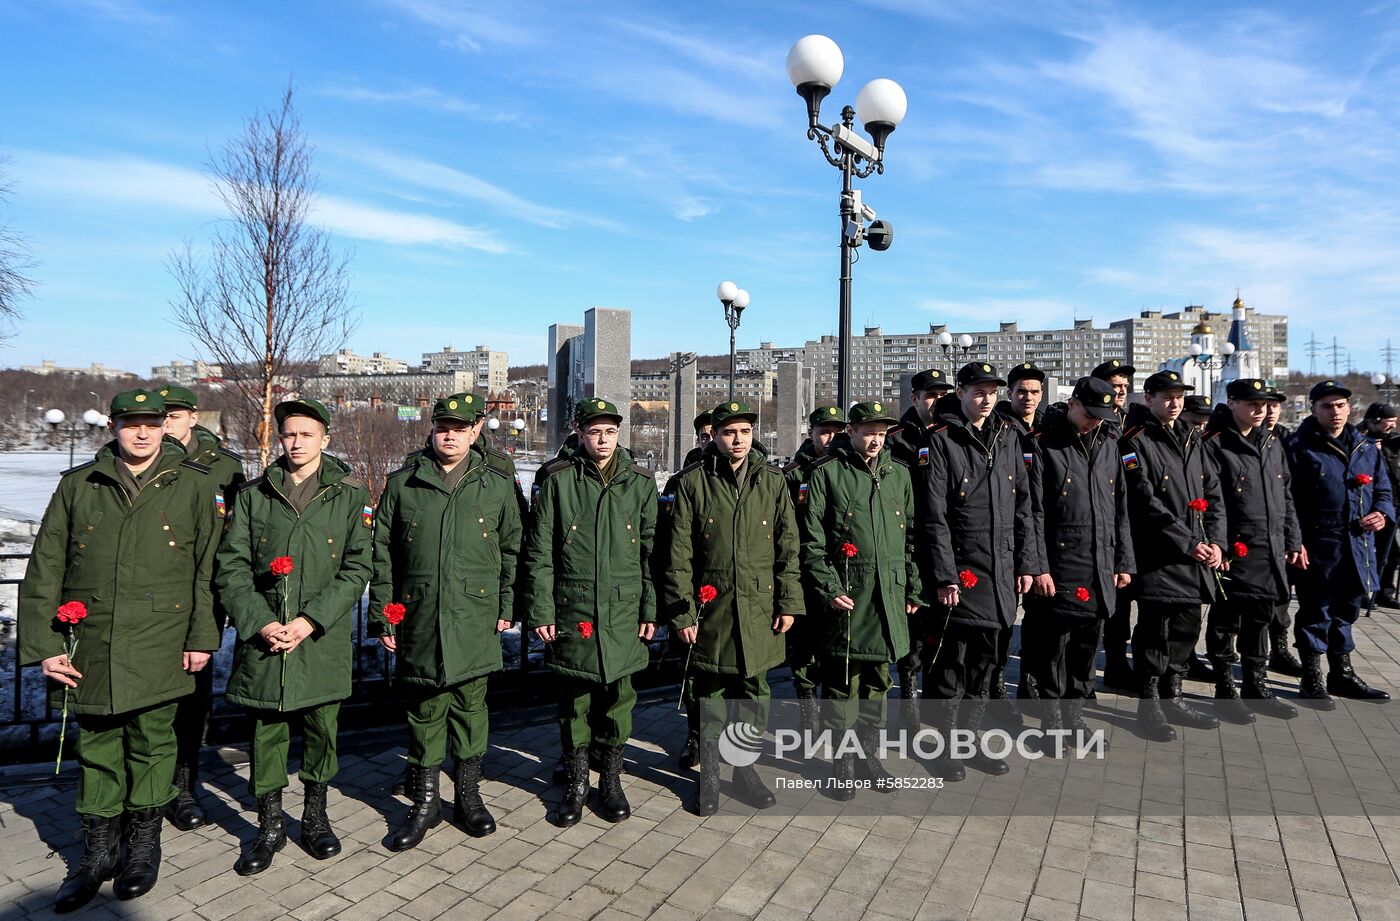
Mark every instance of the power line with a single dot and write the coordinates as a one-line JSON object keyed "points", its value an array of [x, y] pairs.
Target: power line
{"points": [[1312, 350]]}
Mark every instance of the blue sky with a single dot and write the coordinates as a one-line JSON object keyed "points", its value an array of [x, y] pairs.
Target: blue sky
{"points": [[498, 167]]}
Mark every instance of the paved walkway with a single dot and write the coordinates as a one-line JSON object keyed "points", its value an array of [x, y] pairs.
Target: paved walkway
{"points": [[1236, 824]]}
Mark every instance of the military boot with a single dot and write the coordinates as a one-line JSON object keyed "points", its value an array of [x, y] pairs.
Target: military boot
{"points": [[1027, 692], [272, 835], [471, 811], [945, 765], [707, 796], [142, 866], [614, 800], [101, 858], [1259, 697], [690, 753], [317, 836], [1072, 713], [1052, 722], [1342, 680], [1198, 668], [973, 710], [426, 812], [843, 771], [881, 780], [1152, 723], [809, 713], [1178, 711], [184, 811], [1227, 697], [1311, 686], [752, 789], [575, 762], [1281, 658], [909, 696]]}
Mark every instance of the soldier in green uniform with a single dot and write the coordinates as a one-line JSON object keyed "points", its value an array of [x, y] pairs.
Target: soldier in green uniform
{"points": [[446, 539], [192, 714], [823, 424], [295, 629], [733, 528], [704, 434], [860, 499], [131, 535], [504, 463], [588, 590]]}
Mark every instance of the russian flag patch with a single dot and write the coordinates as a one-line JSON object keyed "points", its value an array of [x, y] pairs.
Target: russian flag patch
{"points": [[367, 515], [1130, 460], [802, 494], [219, 505], [923, 457], [1028, 457]]}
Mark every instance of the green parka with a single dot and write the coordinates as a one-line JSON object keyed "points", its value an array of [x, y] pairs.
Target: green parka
{"points": [[329, 543], [589, 560], [745, 544], [141, 566], [225, 466], [872, 509], [449, 558]]}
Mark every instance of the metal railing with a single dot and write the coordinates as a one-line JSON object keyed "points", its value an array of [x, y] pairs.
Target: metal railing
{"points": [[375, 697]]}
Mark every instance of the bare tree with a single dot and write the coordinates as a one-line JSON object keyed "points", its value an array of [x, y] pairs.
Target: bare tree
{"points": [[374, 441], [15, 261], [271, 295]]}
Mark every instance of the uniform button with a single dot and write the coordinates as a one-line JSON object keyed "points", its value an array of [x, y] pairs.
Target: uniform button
{"points": [[332, 556], [172, 543], [629, 525], [484, 534], [765, 524], [330, 540], [574, 527], [177, 605], [164, 527], [82, 546], [481, 521]]}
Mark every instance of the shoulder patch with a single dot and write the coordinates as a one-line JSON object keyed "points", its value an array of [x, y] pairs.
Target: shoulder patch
{"points": [[220, 508], [367, 516], [195, 465], [802, 490], [1130, 461], [923, 456], [1028, 457]]}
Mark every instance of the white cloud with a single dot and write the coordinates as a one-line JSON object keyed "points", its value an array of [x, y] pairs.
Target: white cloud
{"points": [[87, 182], [418, 96]]}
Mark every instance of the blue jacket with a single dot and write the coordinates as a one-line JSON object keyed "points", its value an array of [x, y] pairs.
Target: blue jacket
{"points": [[1330, 501]]}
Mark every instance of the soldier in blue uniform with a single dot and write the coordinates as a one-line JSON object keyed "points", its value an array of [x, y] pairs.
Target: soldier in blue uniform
{"points": [[1343, 496]]}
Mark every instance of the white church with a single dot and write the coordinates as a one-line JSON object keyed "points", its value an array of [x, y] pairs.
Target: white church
{"points": [[1211, 363]]}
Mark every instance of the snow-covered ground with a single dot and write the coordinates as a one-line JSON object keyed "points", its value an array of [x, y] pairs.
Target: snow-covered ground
{"points": [[27, 480]]}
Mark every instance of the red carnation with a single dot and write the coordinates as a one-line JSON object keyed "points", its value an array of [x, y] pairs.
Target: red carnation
{"points": [[849, 550], [1241, 549], [72, 612], [968, 578], [1361, 479], [707, 594], [1082, 594], [1198, 505], [585, 629], [394, 612], [282, 566]]}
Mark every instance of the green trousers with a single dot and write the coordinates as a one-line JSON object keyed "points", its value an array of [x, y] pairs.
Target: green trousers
{"points": [[722, 699], [594, 711], [858, 701], [272, 742], [436, 713], [126, 761]]}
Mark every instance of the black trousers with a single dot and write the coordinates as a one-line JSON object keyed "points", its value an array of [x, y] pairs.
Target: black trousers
{"points": [[1120, 623], [963, 667], [192, 718], [919, 628], [1164, 637], [1060, 652], [1004, 647], [1388, 554], [1242, 621]]}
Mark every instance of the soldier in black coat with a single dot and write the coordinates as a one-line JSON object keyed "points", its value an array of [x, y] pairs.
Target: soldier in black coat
{"points": [[1023, 411], [1178, 524], [980, 539], [1262, 531], [909, 442], [1080, 502], [1281, 657], [703, 436], [1379, 425], [1117, 671]]}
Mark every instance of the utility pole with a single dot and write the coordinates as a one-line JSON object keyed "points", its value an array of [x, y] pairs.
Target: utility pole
{"points": [[1312, 354], [1389, 354]]}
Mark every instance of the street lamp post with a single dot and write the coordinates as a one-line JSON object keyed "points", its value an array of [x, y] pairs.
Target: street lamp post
{"points": [[92, 418], [945, 342], [734, 299], [814, 66]]}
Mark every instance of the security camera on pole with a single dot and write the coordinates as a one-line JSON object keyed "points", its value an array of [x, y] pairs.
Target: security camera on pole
{"points": [[814, 66]]}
